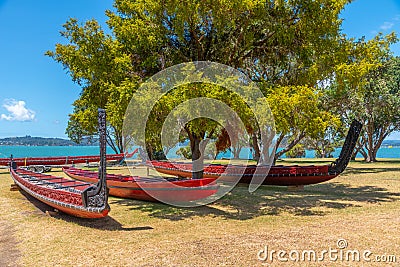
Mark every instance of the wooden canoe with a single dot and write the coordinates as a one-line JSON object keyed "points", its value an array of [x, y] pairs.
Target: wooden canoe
{"points": [[62, 194], [277, 175], [64, 160], [149, 189], [274, 175], [75, 198]]}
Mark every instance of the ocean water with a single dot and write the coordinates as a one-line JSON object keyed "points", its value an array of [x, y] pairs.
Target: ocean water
{"points": [[48, 151], [383, 152]]}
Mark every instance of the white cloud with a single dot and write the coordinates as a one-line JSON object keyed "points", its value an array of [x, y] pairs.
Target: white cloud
{"points": [[387, 25], [17, 111]]}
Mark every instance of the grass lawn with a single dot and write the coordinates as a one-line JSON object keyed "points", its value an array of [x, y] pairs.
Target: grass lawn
{"points": [[361, 206]]}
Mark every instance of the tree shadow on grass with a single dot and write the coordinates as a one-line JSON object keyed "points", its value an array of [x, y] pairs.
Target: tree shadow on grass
{"points": [[361, 170], [315, 200], [107, 223], [366, 167], [4, 170]]}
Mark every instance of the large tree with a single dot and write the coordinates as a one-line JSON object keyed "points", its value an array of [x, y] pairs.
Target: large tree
{"points": [[298, 113], [366, 87], [196, 112], [381, 104], [280, 44]]}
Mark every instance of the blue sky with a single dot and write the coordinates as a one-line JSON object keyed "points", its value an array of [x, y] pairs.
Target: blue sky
{"points": [[28, 29], [36, 94]]}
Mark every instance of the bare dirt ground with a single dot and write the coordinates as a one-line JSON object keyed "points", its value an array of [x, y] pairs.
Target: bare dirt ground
{"points": [[9, 252]]}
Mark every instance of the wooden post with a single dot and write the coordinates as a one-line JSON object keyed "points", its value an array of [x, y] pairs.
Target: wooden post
{"points": [[14, 187], [51, 213]]}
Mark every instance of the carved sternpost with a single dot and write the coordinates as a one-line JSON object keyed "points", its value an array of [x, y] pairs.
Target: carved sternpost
{"points": [[347, 150], [13, 164], [102, 140], [97, 196]]}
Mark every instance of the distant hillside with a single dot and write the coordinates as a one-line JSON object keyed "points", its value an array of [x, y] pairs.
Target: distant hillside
{"points": [[391, 143], [41, 141]]}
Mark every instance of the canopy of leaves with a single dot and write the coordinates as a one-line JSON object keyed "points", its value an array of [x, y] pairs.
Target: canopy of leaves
{"points": [[285, 45], [188, 108], [298, 113], [276, 41], [367, 88]]}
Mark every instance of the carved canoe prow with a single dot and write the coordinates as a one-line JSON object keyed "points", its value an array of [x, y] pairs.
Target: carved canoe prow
{"points": [[97, 195]]}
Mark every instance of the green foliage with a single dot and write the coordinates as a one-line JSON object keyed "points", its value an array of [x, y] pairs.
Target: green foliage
{"points": [[288, 47], [209, 152], [325, 145], [184, 152], [367, 88], [298, 151], [276, 41], [298, 113], [325, 151], [176, 106], [380, 104], [297, 108], [360, 58]]}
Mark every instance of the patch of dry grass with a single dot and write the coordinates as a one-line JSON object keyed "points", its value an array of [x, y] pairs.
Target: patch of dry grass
{"points": [[361, 206]]}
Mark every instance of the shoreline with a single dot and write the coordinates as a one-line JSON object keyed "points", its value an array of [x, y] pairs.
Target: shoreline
{"points": [[54, 151]]}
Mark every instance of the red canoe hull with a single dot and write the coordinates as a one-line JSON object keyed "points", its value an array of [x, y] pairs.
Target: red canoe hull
{"points": [[149, 189], [277, 175], [78, 213], [64, 160], [69, 202]]}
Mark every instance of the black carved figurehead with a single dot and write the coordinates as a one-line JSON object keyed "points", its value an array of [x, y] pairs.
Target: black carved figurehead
{"points": [[347, 150], [96, 196]]}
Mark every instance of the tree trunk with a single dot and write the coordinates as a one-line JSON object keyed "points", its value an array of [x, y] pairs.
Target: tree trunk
{"points": [[355, 152], [363, 153], [111, 143], [323, 152], [375, 137], [360, 149], [371, 155], [197, 157], [370, 146], [150, 153], [114, 140], [256, 148], [370, 143], [374, 155], [236, 151], [290, 146]]}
